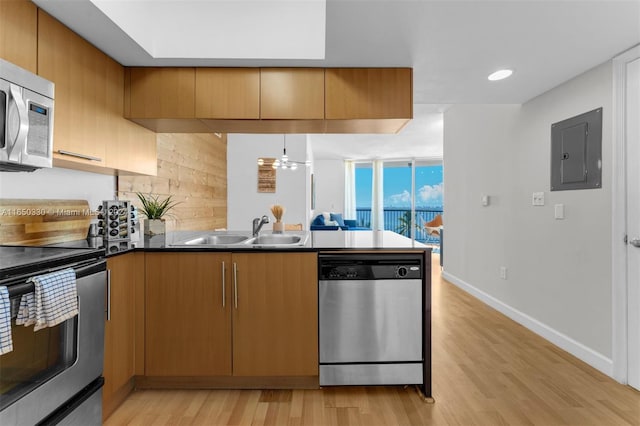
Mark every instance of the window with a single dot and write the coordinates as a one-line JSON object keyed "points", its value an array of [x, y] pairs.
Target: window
{"points": [[364, 185], [412, 195]]}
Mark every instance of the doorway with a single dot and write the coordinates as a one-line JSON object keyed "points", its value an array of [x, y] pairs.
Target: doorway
{"points": [[626, 214]]}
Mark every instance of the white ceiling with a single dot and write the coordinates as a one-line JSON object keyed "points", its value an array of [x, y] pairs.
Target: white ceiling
{"points": [[185, 28], [421, 138], [451, 45]]}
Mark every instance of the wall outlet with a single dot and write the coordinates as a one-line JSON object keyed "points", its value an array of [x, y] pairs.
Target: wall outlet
{"points": [[538, 199], [485, 200], [503, 272]]}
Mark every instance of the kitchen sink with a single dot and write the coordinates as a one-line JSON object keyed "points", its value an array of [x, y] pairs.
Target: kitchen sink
{"points": [[214, 240], [277, 240], [239, 240]]}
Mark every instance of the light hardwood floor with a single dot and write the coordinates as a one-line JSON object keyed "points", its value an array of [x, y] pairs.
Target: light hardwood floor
{"points": [[487, 370]]}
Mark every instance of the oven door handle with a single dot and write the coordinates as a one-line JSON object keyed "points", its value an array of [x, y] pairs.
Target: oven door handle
{"points": [[25, 286], [93, 268]]}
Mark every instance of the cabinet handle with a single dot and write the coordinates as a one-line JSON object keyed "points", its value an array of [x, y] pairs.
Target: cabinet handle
{"points": [[224, 296], [235, 284], [83, 156], [108, 294]]}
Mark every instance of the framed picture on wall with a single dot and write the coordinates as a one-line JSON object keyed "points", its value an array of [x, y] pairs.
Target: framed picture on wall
{"points": [[267, 176]]}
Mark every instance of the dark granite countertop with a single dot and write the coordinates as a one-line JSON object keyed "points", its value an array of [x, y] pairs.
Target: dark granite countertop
{"points": [[317, 241]]}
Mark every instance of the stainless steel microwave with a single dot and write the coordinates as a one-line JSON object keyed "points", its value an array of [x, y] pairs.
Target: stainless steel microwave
{"points": [[26, 119]]}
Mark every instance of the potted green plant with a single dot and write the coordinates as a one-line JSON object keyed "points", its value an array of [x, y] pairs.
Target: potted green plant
{"points": [[155, 209], [404, 224]]}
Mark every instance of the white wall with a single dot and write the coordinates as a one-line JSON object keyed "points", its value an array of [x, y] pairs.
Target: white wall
{"points": [[57, 183], [559, 271], [244, 202], [329, 179]]}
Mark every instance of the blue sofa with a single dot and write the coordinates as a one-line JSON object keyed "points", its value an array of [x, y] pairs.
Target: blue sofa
{"points": [[335, 222]]}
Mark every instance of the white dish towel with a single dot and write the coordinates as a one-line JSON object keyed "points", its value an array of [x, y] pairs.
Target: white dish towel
{"points": [[54, 300], [6, 344]]}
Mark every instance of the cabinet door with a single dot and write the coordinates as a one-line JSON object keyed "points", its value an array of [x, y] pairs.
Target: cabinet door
{"points": [[292, 93], [119, 344], [225, 93], [19, 33], [275, 323], [80, 73], [188, 324], [132, 147], [134, 150], [161, 93], [368, 93]]}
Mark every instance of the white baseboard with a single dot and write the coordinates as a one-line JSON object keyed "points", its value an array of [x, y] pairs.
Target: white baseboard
{"points": [[577, 349]]}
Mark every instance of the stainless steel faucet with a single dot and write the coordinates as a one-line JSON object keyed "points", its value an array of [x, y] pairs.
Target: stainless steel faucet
{"points": [[257, 224]]}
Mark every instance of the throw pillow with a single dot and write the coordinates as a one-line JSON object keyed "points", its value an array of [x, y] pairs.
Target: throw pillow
{"points": [[338, 218], [318, 221]]}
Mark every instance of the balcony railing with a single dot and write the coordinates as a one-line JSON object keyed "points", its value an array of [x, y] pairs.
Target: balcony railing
{"points": [[396, 220]]}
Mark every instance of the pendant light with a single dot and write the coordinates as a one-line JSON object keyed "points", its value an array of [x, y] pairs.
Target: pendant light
{"points": [[284, 162]]}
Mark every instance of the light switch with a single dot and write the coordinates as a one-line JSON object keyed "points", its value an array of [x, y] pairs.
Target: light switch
{"points": [[485, 200], [559, 211], [538, 199]]}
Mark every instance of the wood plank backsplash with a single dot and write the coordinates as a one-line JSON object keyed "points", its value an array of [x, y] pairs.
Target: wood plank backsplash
{"points": [[39, 222], [192, 167]]}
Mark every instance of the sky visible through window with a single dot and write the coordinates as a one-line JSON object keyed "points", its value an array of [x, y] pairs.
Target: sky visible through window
{"points": [[397, 187]]}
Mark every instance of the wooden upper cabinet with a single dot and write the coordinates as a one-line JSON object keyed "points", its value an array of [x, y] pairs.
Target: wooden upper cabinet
{"points": [[132, 148], [292, 93], [135, 149], [368, 93], [19, 33], [82, 87], [227, 93], [269, 100], [160, 93], [90, 132]]}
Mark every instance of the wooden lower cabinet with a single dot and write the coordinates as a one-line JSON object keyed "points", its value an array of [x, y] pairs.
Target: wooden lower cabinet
{"points": [[275, 324], [266, 327], [119, 344], [187, 321]]}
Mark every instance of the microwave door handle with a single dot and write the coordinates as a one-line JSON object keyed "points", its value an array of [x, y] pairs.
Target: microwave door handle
{"points": [[18, 144]]}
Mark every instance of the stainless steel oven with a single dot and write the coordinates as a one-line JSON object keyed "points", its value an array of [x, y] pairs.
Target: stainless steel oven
{"points": [[53, 375], [373, 320]]}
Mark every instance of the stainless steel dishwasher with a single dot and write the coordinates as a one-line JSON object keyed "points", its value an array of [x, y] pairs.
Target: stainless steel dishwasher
{"points": [[373, 321]]}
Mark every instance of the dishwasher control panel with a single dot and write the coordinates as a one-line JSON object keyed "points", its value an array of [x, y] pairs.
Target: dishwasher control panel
{"points": [[372, 267]]}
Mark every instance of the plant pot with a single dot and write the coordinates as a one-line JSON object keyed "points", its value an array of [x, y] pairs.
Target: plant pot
{"points": [[154, 227], [278, 227]]}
